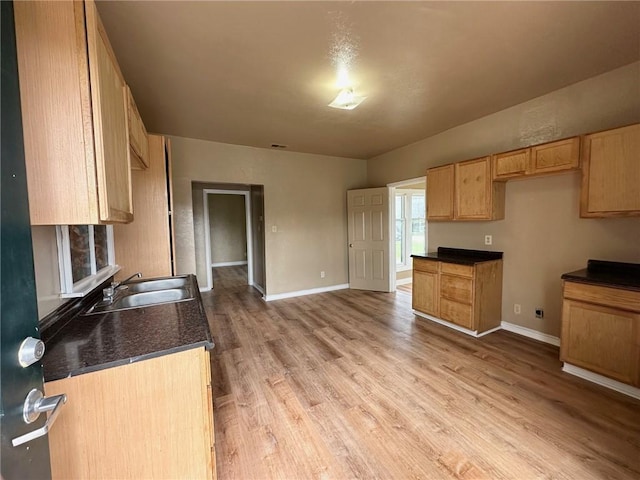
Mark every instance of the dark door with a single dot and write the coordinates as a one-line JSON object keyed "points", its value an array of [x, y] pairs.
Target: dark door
{"points": [[19, 315]]}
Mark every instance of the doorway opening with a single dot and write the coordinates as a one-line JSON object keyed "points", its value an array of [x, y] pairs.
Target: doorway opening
{"points": [[227, 231], [409, 224], [229, 235]]}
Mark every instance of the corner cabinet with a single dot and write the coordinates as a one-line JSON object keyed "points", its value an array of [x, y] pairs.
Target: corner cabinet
{"points": [[601, 330], [144, 245], [611, 173], [150, 419], [74, 112]]}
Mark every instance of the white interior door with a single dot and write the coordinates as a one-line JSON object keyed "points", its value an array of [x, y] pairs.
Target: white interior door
{"points": [[369, 239]]}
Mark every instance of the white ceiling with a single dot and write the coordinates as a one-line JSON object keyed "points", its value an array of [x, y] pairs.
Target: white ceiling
{"points": [[259, 73]]}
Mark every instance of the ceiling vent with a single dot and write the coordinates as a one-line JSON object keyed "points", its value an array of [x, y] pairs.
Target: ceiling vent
{"points": [[277, 145]]}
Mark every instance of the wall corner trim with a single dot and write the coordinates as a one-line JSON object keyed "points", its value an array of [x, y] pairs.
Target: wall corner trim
{"points": [[529, 332], [300, 293], [601, 380]]}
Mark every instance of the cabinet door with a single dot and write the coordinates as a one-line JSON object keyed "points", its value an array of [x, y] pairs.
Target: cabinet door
{"points": [[510, 164], [150, 419], [440, 193], [473, 190], [601, 339], [425, 292], [138, 138], [611, 173], [109, 104], [555, 156]]}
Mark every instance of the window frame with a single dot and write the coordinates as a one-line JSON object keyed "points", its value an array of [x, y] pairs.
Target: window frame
{"points": [[407, 195], [71, 289]]}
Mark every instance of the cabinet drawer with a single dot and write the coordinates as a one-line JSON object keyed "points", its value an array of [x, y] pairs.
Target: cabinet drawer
{"points": [[613, 297], [455, 269], [456, 288], [457, 313], [421, 265]]}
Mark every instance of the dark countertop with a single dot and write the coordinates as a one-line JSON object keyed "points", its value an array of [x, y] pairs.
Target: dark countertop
{"points": [[460, 256], [609, 274], [87, 343]]}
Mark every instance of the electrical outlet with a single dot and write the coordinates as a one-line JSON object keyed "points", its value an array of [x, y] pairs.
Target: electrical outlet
{"points": [[274, 229], [539, 312], [488, 239], [517, 309], [322, 274]]}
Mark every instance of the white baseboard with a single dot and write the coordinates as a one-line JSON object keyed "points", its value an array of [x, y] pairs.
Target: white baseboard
{"points": [[205, 289], [300, 293], [473, 333], [601, 380], [529, 332], [404, 281], [228, 264]]}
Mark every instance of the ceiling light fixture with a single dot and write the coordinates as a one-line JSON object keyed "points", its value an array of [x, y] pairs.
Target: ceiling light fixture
{"points": [[346, 100]]}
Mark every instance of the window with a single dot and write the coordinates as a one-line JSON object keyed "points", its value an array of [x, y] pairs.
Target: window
{"points": [[411, 225], [85, 257]]}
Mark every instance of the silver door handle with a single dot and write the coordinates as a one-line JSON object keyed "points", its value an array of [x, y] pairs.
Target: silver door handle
{"points": [[34, 405]]}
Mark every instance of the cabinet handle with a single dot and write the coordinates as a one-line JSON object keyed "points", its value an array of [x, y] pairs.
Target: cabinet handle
{"points": [[34, 405]]}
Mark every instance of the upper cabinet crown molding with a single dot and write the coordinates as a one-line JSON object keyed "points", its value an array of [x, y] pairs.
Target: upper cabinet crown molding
{"points": [[611, 173], [74, 110]]}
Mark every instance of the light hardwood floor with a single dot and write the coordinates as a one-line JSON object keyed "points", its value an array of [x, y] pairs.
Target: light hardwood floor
{"points": [[350, 384]]}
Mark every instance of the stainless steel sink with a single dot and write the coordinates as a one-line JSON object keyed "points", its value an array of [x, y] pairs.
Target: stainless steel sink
{"points": [[146, 293], [159, 284], [151, 298]]}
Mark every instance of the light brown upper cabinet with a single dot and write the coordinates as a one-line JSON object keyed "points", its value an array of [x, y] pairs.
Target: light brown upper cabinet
{"points": [[440, 185], [611, 173], [552, 157], [138, 138], [477, 197], [464, 191], [74, 110]]}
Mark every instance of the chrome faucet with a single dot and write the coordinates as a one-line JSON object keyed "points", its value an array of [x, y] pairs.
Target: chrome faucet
{"points": [[109, 293], [126, 280]]}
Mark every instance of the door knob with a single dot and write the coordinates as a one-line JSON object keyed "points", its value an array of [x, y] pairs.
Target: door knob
{"points": [[34, 405], [351, 245]]}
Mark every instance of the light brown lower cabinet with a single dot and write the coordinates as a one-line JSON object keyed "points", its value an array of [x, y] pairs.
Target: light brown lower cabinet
{"points": [[601, 330], [151, 419], [469, 296]]}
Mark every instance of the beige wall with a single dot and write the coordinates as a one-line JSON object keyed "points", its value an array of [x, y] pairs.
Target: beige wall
{"points": [[304, 197], [542, 235], [227, 228]]}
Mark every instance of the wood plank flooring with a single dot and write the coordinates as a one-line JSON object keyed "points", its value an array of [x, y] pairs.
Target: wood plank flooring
{"points": [[350, 384]]}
